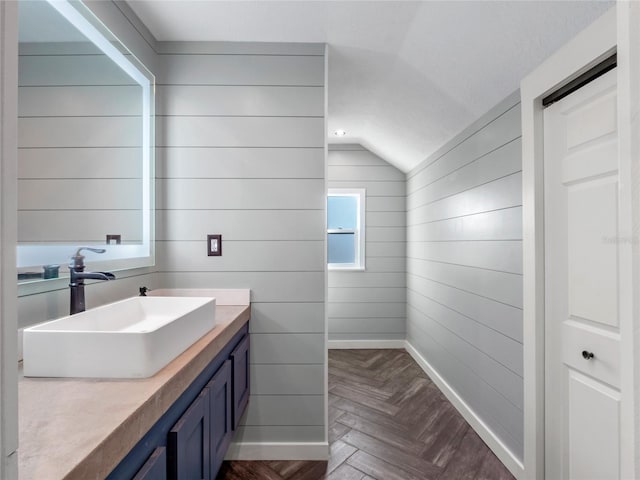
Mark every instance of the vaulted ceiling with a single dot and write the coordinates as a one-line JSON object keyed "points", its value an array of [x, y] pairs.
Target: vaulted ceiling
{"points": [[404, 76]]}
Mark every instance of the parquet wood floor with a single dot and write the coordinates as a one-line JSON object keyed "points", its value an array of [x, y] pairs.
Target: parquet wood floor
{"points": [[387, 421]]}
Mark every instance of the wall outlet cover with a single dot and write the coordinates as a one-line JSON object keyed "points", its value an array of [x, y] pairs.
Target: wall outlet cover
{"points": [[114, 239], [214, 245]]}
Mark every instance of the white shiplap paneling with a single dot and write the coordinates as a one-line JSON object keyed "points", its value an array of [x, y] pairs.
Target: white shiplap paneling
{"points": [[284, 410], [495, 134], [498, 316], [505, 192], [287, 317], [232, 194], [496, 164], [367, 279], [242, 155], [464, 269], [240, 132], [290, 348], [176, 162], [238, 256], [254, 101], [371, 305], [279, 287], [500, 286], [365, 295], [242, 225], [504, 256], [503, 224], [349, 328], [270, 379], [243, 70]]}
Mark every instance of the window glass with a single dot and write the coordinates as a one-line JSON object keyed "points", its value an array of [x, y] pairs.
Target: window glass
{"points": [[345, 229], [342, 212], [342, 248]]}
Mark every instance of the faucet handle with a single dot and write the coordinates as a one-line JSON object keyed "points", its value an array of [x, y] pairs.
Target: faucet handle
{"points": [[94, 250], [77, 261]]}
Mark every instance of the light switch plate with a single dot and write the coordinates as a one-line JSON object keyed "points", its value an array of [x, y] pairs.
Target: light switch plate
{"points": [[214, 245]]}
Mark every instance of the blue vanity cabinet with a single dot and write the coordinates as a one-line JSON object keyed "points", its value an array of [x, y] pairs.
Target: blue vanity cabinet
{"points": [[220, 413], [189, 442], [197, 429], [155, 468], [240, 368]]}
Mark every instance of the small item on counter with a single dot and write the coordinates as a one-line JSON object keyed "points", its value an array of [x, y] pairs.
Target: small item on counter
{"points": [[51, 271], [143, 291], [29, 275]]}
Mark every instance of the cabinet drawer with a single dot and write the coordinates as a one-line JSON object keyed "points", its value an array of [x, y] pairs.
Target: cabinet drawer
{"points": [[188, 442], [155, 468], [240, 365], [220, 415]]}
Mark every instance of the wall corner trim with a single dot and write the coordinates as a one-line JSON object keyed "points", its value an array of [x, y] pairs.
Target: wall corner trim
{"points": [[505, 455], [317, 451], [365, 344]]}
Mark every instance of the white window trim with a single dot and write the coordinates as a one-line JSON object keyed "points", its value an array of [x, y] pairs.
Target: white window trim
{"points": [[361, 193]]}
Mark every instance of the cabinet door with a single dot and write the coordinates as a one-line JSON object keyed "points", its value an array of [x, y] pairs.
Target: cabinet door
{"points": [[220, 405], [155, 468], [240, 366], [188, 442]]}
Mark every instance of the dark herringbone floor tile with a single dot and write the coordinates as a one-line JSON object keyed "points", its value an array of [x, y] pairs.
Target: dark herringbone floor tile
{"points": [[387, 421]]}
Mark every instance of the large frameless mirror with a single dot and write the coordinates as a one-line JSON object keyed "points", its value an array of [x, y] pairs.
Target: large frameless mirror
{"points": [[85, 135]]}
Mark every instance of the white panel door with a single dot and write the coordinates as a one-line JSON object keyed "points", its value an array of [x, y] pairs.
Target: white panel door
{"points": [[582, 344]]}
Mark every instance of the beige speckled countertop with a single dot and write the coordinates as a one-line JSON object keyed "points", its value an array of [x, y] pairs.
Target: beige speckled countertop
{"points": [[72, 428]]}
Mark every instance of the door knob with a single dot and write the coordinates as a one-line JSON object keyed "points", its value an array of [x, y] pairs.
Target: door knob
{"points": [[587, 355]]}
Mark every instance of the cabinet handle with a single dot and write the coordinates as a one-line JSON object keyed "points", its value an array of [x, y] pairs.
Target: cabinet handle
{"points": [[587, 355]]}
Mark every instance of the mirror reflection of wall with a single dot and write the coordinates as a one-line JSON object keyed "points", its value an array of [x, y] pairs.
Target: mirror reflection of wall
{"points": [[80, 137]]}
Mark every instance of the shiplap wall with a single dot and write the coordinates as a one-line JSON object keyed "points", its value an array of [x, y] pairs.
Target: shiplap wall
{"points": [[371, 305], [464, 268], [242, 154], [79, 158], [50, 299]]}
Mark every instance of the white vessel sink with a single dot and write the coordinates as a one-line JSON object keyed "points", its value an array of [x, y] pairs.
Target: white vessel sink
{"points": [[132, 338]]}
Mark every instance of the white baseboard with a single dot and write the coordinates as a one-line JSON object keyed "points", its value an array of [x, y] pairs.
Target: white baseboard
{"points": [[278, 451], [493, 442], [364, 344]]}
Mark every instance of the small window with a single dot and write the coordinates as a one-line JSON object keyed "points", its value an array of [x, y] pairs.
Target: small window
{"points": [[345, 228]]}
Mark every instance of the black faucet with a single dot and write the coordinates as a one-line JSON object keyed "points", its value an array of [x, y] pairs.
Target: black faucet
{"points": [[77, 276]]}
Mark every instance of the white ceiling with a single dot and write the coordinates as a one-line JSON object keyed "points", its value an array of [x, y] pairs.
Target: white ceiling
{"points": [[404, 76]]}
